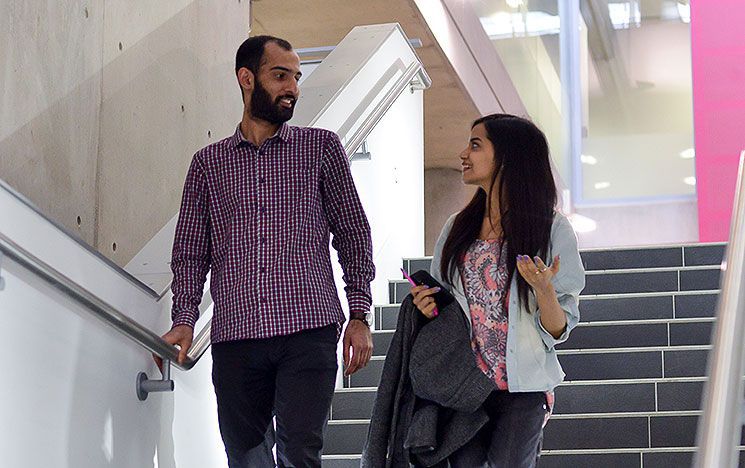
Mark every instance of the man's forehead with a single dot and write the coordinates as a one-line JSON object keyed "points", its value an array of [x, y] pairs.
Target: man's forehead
{"points": [[276, 56]]}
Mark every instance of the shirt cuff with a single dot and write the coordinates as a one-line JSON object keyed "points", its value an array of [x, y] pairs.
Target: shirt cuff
{"points": [[548, 339], [359, 302], [184, 317]]}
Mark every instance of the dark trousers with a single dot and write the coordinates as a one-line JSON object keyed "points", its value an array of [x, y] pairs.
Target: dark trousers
{"points": [[512, 437], [291, 377]]}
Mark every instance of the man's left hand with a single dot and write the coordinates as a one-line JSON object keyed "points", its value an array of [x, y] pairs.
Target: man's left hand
{"points": [[357, 336]]}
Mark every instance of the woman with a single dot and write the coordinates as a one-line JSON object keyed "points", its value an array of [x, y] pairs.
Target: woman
{"points": [[512, 263]]}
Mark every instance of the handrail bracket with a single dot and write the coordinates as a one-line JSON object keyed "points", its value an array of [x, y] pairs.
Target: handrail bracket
{"points": [[145, 386]]}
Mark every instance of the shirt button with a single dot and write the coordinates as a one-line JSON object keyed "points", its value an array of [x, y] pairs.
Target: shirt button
{"points": [[263, 269], [263, 240], [262, 209], [263, 300], [261, 180]]}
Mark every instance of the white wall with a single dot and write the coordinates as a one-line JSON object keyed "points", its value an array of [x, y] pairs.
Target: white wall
{"points": [[68, 395], [391, 187]]}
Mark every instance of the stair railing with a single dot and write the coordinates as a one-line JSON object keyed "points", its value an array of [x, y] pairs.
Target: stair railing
{"points": [[721, 425], [9, 250]]}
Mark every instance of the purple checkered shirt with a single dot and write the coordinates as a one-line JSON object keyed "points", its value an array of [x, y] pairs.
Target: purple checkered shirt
{"points": [[261, 218]]}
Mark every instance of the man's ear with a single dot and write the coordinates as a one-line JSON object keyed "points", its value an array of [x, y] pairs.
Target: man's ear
{"points": [[246, 79]]}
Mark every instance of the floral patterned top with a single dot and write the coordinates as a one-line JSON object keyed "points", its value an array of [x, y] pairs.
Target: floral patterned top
{"points": [[486, 284], [485, 281]]}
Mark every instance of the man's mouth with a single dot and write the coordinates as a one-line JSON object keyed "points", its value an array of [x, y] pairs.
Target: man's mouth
{"points": [[287, 102]]}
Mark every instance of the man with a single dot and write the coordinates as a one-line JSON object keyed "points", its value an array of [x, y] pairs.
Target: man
{"points": [[258, 209]]}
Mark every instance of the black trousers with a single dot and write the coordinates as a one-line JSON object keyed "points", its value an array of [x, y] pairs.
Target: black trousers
{"points": [[291, 377], [512, 437]]}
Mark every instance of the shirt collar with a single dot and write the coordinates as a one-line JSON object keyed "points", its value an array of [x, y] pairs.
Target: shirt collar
{"points": [[284, 133]]}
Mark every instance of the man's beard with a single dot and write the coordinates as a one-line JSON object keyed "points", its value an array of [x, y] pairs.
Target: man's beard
{"points": [[263, 108]]}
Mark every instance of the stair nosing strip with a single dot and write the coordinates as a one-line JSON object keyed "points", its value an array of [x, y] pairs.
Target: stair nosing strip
{"points": [[624, 450], [574, 383], [639, 349], [613, 323], [596, 297], [687, 292], [621, 271], [558, 452], [629, 414], [636, 349], [565, 416]]}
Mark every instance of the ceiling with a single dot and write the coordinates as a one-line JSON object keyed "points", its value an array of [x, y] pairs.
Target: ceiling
{"points": [[448, 109]]}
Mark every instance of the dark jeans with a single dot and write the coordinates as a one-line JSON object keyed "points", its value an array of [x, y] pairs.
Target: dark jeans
{"points": [[512, 437], [291, 377]]}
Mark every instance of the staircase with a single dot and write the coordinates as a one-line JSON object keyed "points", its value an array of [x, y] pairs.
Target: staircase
{"points": [[635, 365]]}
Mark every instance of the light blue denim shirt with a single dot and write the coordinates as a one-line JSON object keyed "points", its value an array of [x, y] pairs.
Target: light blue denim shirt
{"points": [[532, 365]]}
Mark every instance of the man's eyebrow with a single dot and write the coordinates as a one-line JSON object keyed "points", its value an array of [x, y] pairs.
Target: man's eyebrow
{"points": [[280, 68], [475, 139]]}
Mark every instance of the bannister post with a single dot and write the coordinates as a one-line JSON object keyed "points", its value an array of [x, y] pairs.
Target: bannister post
{"points": [[721, 423]]}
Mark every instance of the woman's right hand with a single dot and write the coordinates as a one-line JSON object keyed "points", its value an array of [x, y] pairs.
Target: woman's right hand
{"points": [[423, 300]]}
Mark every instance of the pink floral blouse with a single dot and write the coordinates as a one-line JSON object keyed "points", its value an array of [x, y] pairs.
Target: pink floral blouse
{"points": [[486, 284]]}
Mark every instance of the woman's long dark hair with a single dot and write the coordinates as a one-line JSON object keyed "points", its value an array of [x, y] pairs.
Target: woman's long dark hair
{"points": [[526, 200]]}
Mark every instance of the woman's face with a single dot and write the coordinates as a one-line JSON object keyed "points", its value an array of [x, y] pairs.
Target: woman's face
{"points": [[477, 160]]}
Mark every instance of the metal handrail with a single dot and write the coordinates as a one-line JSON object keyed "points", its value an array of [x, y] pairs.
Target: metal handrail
{"points": [[4, 186], [424, 81], [103, 310], [721, 424]]}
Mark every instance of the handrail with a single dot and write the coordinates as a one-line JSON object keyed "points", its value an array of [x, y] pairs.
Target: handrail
{"points": [[721, 424], [390, 97], [124, 273], [103, 310]]}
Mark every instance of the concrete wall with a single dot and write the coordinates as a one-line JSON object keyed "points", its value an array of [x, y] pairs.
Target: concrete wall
{"points": [[104, 103], [444, 194]]}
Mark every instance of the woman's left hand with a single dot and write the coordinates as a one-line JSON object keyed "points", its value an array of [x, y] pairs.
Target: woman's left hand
{"points": [[536, 273]]}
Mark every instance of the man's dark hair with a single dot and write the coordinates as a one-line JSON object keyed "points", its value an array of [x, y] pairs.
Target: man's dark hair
{"points": [[251, 52]]}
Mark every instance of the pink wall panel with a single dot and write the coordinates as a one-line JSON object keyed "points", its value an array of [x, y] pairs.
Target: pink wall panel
{"points": [[718, 57]]}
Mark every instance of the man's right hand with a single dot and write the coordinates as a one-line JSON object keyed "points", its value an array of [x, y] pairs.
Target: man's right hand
{"points": [[181, 335]]}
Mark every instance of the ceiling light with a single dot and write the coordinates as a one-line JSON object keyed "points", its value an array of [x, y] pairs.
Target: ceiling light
{"points": [[582, 223], [688, 153], [514, 3], [690, 180], [602, 185], [586, 159]]}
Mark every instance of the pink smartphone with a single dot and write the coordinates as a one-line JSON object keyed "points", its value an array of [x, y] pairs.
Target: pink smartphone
{"points": [[411, 281]]}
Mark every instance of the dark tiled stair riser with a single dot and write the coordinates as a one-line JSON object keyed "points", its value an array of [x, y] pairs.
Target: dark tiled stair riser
{"points": [[632, 395], [624, 259], [571, 398], [639, 282]]}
